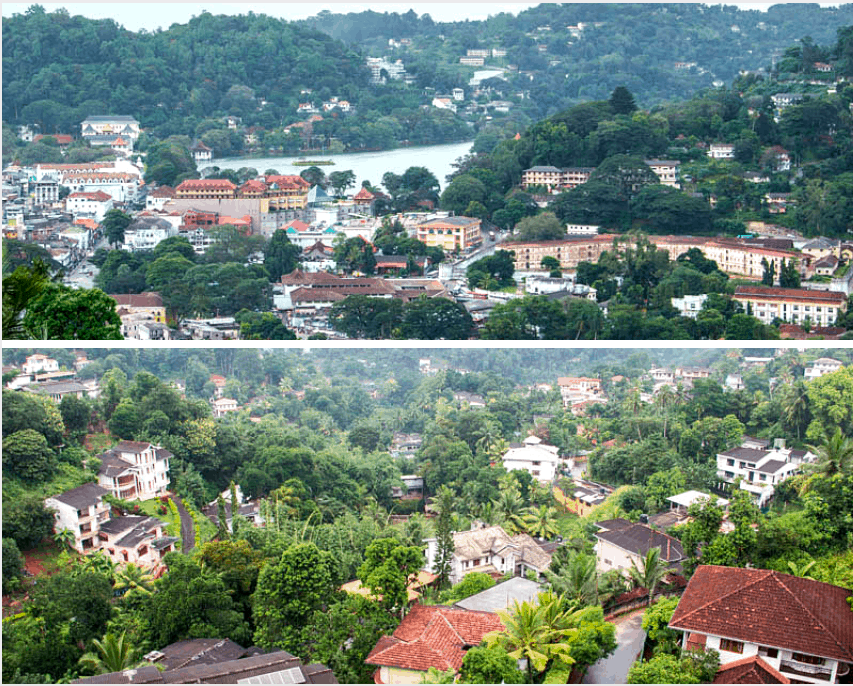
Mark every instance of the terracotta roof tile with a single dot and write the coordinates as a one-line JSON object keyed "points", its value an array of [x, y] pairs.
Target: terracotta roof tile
{"points": [[433, 636], [749, 670], [768, 608]]}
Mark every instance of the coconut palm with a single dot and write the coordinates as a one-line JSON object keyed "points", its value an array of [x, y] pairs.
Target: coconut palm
{"points": [[649, 572], [535, 632], [834, 455], [114, 654], [508, 507], [133, 577], [576, 580], [796, 413], [540, 522]]}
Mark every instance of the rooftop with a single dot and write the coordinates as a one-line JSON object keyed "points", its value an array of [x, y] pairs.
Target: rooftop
{"points": [[768, 608], [82, 496]]}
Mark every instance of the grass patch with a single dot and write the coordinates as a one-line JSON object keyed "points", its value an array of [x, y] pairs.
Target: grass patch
{"points": [[172, 519], [64, 479]]}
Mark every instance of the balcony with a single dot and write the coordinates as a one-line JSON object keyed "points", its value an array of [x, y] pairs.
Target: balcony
{"points": [[802, 669]]}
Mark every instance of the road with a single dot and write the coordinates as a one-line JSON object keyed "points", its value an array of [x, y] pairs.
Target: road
{"points": [[630, 638], [187, 526]]}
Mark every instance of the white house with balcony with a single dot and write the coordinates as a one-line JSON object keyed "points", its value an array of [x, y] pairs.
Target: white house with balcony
{"points": [[134, 470], [760, 467], [820, 367], [39, 363], [81, 511]]}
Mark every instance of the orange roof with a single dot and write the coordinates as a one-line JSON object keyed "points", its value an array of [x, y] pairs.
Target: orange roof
{"points": [[433, 636], [749, 670], [206, 185], [364, 194]]}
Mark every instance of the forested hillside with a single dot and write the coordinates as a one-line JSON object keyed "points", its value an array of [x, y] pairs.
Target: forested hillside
{"points": [[58, 68]]}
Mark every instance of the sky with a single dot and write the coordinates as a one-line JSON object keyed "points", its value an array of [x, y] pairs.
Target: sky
{"points": [[150, 16]]}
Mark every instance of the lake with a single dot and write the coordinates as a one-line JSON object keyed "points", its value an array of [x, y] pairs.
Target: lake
{"points": [[367, 166]]}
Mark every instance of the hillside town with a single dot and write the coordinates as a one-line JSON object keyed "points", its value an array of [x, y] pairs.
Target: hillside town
{"points": [[61, 208], [634, 505]]}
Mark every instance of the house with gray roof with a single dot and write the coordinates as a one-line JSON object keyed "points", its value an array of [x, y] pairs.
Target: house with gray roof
{"points": [[135, 470], [136, 539], [81, 511], [490, 550], [621, 546]]}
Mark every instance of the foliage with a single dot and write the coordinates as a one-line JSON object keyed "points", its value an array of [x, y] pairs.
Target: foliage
{"points": [[655, 624], [21, 287], [542, 227], [493, 272], [280, 255], [27, 456], [13, 564], [288, 593], [388, 569], [485, 665], [114, 654], [193, 603], [471, 584], [114, 224], [435, 318], [26, 521], [63, 313]]}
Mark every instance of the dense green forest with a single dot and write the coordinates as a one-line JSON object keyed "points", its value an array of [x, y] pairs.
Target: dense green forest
{"points": [[58, 68], [312, 441]]}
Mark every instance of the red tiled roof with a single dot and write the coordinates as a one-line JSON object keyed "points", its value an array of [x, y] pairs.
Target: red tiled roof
{"points": [[298, 225], [796, 294], [299, 277], [163, 192], [288, 181], [254, 185], [749, 670], [99, 196], [768, 608], [149, 299], [61, 138], [205, 185], [363, 194], [433, 636]]}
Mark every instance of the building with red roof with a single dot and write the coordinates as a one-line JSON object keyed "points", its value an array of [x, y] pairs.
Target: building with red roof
{"points": [[800, 627], [793, 305], [749, 670], [429, 636]]}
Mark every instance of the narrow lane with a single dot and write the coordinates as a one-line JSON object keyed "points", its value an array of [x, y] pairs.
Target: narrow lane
{"points": [[187, 526]]}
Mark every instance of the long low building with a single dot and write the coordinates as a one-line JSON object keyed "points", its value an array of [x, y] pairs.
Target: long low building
{"points": [[733, 256], [794, 305]]}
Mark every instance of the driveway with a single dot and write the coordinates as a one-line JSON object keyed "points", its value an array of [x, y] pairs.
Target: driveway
{"points": [[629, 639], [187, 525]]}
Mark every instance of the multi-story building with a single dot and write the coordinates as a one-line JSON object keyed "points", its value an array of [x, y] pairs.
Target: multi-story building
{"points": [[39, 363], [94, 205], [81, 511], [689, 305], [666, 170], [452, 234], [206, 189], [110, 126], [721, 151], [533, 456], [793, 305], [135, 539], [760, 467], [134, 470], [543, 175], [821, 366]]}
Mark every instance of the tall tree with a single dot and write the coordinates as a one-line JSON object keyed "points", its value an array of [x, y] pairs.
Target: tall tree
{"points": [[114, 654], [280, 255], [621, 101], [114, 224], [650, 572], [444, 502]]}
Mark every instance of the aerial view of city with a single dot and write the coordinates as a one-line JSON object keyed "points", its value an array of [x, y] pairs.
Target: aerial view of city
{"points": [[317, 515], [561, 172], [427, 343]]}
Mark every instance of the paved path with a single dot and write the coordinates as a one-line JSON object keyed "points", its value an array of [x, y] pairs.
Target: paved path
{"points": [[629, 639], [187, 526]]}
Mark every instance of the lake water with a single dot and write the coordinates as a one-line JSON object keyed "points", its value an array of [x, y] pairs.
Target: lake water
{"points": [[367, 166]]}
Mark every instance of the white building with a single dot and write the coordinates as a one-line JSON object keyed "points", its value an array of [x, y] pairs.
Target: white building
{"points": [[490, 550], [222, 406], [94, 205], [689, 305], [721, 151], [533, 456], [821, 366], [39, 363], [760, 467], [146, 232], [80, 511], [666, 170], [133, 470]]}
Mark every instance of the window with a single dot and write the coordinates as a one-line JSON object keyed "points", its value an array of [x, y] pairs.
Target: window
{"points": [[807, 659], [731, 646], [730, 462], [768, 652]]}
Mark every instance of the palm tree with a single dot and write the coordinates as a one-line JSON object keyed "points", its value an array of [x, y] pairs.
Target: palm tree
{"points": [[535, 632], [796, 413], [649, 573], [508, 506], [133, 577], [114, 654], [577, 580], [834, 455], [98, 563], [540, 522]]}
